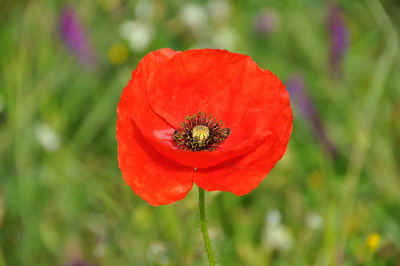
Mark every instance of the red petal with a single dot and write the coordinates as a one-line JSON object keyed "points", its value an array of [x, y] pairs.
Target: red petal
{"points": [[231, 86], [134, 96], [244, 97], [154, 128], [242, 175], [155, 178]]}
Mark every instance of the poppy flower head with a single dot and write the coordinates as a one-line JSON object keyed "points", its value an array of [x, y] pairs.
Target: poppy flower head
{"points": [[206, 109], [200, 132]]}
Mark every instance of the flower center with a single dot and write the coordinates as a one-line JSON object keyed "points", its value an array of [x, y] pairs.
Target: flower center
{"points": [[200, 132]]}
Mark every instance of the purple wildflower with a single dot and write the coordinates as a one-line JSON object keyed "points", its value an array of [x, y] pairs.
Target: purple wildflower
{"points": [[306, 108], [267, 22], [74, 36], [339, 38]]}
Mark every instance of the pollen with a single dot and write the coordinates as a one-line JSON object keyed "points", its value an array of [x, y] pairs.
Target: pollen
{"points": [[200, 132]]}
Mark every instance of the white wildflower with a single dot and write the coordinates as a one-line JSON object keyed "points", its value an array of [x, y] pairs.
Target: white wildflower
{"points": [[314, 221], [157, 252], [193, 15], [47, 137], [225, 38], [273, 218], [276, 236], [138, 34]]}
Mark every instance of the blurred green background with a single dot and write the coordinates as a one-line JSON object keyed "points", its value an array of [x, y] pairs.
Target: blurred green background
{"points": [[334, 199]]}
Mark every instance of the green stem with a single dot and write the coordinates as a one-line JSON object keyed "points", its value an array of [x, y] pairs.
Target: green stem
{"points": [[203, 225]]}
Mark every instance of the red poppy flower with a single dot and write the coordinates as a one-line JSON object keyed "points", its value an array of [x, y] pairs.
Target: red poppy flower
{"points": [[206, 116]]}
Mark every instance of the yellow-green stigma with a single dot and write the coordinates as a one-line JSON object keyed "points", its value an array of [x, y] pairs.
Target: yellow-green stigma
{"points": [[200, 132]]}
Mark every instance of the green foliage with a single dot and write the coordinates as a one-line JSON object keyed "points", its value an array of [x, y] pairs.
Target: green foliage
{"points": [[62, 196]]}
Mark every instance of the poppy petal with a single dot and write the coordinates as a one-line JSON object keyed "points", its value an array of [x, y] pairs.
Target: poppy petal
{"points": [[230, 86], [153, 127], [249, 122], [135, 93], [152, 176], [242, 175]]}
